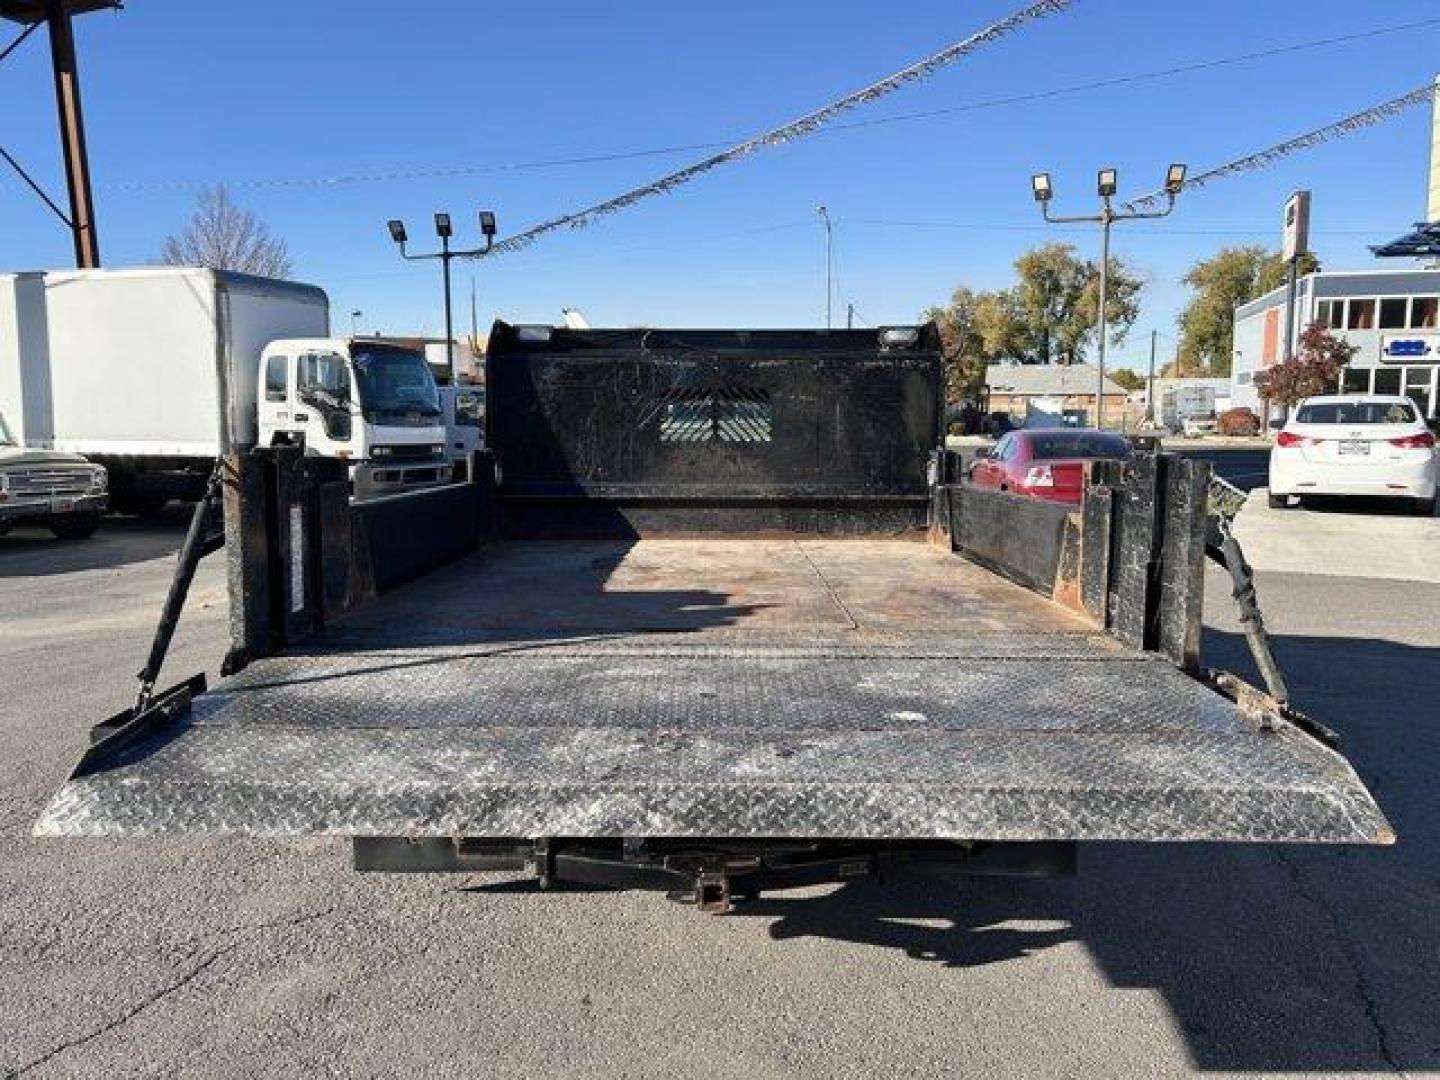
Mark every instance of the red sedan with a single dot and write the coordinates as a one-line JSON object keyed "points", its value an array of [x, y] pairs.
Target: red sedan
{"points": [[1045, 463]]}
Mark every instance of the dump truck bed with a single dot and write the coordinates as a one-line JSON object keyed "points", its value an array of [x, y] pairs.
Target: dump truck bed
{"points": [[756, 686]]}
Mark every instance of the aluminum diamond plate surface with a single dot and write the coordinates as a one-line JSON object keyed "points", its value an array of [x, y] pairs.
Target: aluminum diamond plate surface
{"points": [[507, 697]]}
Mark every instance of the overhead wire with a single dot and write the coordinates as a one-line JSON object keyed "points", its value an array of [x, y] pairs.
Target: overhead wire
{"points": [[568, 161], [795, 129], [1258, 230]]}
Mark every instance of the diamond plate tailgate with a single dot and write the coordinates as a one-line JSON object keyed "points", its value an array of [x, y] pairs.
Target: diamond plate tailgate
{"points": [[824, 735]]}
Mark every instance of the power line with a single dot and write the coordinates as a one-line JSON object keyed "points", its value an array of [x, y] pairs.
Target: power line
{"points": [[570, 161], [795, 129], [610, 254], [1376, 114], [1159, 230], [428, 173], [1144, 76]]}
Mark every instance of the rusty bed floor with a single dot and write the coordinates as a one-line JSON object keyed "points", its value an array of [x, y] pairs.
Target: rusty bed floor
{"points": [[740, 687]]}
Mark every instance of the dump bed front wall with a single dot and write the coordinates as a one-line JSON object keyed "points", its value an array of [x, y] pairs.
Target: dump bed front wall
{"points": [[689, 419]]}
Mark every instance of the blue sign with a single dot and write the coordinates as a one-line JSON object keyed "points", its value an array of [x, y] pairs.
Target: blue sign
{"points": [[1405, 348]]}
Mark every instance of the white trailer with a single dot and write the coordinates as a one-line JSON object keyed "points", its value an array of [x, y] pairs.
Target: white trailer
{"points": [[136, 369], [1186, 402], [127, 366]]}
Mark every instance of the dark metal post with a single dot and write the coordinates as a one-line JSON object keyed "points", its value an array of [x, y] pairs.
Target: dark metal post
{"points": [[1150, 388], [72, 134], [1290, 309], [1106, 218], [201, 539], [445, 257]]}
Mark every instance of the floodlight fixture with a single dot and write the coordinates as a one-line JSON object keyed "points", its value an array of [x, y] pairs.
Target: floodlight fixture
{"points": [[1106, 183], [1174, 178], [442, 226], [487, 223], [397, 230], [1040, 185]]}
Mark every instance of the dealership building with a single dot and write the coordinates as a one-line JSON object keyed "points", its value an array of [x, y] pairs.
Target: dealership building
{"points": [[1392, 317]]}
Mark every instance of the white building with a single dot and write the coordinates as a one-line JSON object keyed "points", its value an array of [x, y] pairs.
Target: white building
{"points": [[1391, 316]]}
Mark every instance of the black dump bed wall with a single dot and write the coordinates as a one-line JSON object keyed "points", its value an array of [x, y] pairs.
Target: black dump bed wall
{"points": [[700, 420]]}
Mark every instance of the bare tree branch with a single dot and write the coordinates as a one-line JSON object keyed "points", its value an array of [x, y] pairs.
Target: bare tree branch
{"points": [[222, 236]]}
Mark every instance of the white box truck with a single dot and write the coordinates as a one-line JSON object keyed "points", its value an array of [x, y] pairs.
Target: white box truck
{"points": [[136, 368], [1187, 409]]}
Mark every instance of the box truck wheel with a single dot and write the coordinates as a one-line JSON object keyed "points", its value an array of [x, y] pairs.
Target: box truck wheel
{"points": [[76, 526]]}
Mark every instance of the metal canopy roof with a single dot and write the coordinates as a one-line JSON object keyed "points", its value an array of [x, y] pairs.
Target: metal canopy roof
{"points": [[33, 11], [1422, 243]]}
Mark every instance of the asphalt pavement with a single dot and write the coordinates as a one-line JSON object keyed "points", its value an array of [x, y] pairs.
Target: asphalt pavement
{"points": [[249, 958]]}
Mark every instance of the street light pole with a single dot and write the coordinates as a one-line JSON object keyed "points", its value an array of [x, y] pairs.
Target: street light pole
{"points": [[445, 254], [1150, 388], [445, 257], [1106, 184], [1107, 218], [829, 262]]}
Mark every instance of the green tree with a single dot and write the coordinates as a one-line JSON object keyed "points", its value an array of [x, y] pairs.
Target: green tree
{"points": [[1057, 302], [1048, 316], [976, 329], [1126, 379], [961, 342], [1228, 278]]}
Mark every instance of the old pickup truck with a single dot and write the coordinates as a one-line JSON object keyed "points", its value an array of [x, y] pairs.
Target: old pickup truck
{"points": [[714, 616]]}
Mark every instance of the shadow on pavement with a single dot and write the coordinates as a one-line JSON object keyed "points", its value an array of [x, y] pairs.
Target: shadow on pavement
{"points": [[1269, 958], [34, 552], [1359, 506]]}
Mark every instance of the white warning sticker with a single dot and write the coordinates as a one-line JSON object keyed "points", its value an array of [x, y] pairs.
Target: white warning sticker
{"points": [[297, 558]]}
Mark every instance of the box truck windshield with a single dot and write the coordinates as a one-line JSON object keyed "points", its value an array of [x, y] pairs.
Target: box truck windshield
{"points": [[395, 385]]}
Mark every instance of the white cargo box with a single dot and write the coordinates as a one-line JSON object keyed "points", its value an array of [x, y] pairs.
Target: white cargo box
{"points": [[128, 362]]}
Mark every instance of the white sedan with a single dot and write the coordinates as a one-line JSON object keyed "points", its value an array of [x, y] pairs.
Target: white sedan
{"points": [[1355, 444]]}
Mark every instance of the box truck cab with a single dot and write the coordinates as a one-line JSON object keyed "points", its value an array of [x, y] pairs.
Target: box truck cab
{"points": [[367, 400]]}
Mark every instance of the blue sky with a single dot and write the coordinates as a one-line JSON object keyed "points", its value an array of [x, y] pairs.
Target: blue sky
{"points": [[277, 97]]}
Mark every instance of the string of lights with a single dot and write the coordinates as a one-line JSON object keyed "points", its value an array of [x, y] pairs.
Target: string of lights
{"points": [[577, 160], [795, 129], [1366, 118]]}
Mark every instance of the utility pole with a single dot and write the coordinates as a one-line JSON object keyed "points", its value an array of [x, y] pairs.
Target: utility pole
{"points": [[829, 261], [849, 316], [1150, 388], [1106, 184]]}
